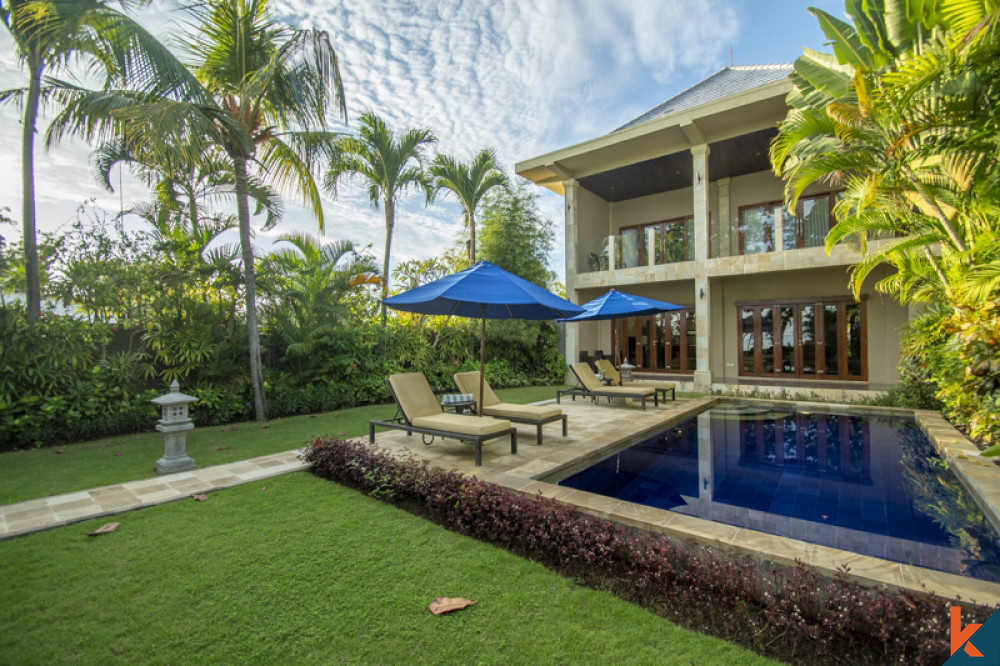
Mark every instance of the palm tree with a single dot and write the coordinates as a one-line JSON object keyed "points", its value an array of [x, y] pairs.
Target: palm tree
{"points": [[387, 163], [900, 120], [258, 82], [50, 33], [470, 183], [309, 281], [178, 184]]}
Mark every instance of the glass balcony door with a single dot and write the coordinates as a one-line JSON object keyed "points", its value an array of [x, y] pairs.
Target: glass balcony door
{"points": [[660, 343], [809, 340], [812, 222]]}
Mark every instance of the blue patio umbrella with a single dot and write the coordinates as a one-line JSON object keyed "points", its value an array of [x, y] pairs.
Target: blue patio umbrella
{"points": [[487, 291], [616, 304]]}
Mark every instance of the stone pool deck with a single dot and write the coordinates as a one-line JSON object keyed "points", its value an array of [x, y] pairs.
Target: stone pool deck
{"points": [[594, 431]]}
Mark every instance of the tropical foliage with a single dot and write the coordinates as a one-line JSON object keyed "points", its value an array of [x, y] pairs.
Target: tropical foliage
{"points": [[902, 117], [48, 35]]}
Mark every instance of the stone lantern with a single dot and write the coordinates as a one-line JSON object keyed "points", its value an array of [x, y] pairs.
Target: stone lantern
{"points": [[174, 424], [627, 369]]}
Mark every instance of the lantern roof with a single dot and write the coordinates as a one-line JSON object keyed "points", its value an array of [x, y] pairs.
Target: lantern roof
{"points": [[175, 397]]}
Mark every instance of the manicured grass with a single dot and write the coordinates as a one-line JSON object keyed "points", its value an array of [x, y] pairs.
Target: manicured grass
{"points": [[300, 570], [34, 473]]}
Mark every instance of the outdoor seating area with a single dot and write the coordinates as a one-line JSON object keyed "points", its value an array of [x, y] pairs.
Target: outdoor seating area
{"points": [[536, 415], [420, 412], [610, 372], [589, 386]]}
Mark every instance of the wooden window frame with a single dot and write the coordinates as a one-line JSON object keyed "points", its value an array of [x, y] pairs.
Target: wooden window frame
{"points": [[643, 259], [633, 326], [819, 304], [800, 235], [768, 231]]}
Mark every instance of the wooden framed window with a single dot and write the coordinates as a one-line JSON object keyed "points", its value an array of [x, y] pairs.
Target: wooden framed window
{"points": [[673, 241], [808, 339], [812, 222], [664, 342], [756, 227]]}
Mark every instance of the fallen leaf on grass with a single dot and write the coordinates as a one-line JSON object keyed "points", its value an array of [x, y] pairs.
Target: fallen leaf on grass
{"points": [[446, 604], [104, 445], [263, 488], [221, 448], [231, 429], [118, 453], [104, 529], [199, 498]]}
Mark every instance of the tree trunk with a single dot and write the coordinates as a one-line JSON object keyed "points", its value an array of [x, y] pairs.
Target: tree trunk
{"points": [[32, 282], [243, 209], [390, 222], [472, 239]]}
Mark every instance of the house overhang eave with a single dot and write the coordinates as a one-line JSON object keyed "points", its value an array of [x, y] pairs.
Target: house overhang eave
{"points": [[718, 120]]}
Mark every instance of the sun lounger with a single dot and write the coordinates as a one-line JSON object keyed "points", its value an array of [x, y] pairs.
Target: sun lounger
{"points": [[611, 372], [537, 415], [419, 411], [591, 387]]}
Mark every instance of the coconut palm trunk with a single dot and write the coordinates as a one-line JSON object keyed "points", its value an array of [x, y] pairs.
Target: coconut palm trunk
{"points": [[253, 333], [32, 282]]}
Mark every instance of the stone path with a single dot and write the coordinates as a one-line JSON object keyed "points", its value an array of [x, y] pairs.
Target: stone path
{"points": [[49, 512]]}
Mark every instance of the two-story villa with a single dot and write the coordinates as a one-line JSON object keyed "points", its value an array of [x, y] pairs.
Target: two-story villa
{"points": [[681, 205]]}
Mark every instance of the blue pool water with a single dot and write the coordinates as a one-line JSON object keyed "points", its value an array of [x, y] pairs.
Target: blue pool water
{"points": [[868, 484]]}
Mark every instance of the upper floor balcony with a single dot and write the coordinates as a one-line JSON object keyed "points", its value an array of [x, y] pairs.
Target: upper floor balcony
{"points": [[763, 237]]}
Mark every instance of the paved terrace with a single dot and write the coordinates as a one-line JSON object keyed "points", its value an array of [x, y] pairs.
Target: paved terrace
{"points": [[594, 431]]}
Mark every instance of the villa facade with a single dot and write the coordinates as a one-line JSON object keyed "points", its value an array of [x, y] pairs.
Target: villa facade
{"points": [[681, 205]]}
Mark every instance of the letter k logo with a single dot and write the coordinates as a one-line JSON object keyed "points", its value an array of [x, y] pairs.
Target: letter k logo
{"points": [[960, 636]]}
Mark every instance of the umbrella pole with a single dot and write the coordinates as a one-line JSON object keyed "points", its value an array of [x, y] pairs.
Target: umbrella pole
{"points": [[482, 364]]}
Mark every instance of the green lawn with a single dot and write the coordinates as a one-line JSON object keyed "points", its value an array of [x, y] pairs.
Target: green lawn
{"points": [[295, 569], [34, 473]]}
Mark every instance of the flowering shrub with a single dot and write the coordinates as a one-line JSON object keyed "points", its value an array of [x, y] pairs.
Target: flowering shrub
{"points": [[790, 613]]}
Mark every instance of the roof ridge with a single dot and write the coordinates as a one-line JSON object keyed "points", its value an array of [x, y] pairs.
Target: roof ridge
{"points": [[749, 68], [685, 97]]}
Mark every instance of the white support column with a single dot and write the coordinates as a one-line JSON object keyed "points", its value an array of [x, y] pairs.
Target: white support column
{"points": [[702, 288], [572, 339]]}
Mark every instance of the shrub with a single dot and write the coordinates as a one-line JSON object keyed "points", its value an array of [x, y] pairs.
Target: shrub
{"points": [[790, 613]]}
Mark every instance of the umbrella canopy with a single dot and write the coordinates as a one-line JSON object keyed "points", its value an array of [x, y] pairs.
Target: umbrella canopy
{"points": [[616, 304], [619, 304], [485, 291], [466, 293]]}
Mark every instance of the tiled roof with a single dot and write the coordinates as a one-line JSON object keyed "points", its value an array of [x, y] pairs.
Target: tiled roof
{"points": [[725, 82]]}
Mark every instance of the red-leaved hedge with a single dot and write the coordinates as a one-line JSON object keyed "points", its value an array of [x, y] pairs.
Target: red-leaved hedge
{"points": [[790, 613]]}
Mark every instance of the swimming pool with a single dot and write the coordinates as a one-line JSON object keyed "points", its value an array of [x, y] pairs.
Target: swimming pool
{"points": [[869, 484]]}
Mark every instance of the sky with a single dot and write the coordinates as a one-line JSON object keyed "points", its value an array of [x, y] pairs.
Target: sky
{"points": [[522, 76]]}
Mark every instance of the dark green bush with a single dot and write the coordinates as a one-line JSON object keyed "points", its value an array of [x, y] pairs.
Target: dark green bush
{"points": [[61, 383]]}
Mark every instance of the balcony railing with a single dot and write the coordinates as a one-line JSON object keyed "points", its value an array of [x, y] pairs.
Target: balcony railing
{"points": [[631, 249]]}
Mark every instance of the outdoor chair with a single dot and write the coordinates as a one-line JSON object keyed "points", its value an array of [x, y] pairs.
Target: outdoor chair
{"points": [[536, 415], [419, 411], [590, 387], [612, 374]]}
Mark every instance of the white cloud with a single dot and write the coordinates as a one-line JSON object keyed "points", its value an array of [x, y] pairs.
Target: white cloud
{"points": [[522, 76]]}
